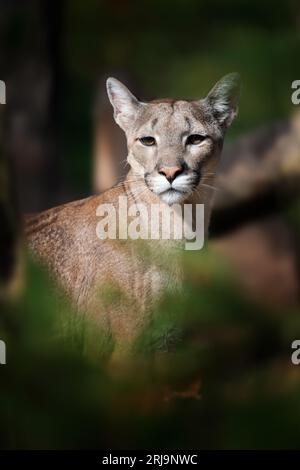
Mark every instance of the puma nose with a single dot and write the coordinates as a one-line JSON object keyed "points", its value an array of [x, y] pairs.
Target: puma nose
{"points": [[170, 172]]}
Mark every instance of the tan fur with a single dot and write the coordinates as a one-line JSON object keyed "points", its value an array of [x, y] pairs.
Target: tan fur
{"points": [[65, 239]]}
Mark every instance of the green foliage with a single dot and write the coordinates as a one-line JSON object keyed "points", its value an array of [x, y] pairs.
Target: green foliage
{"points": [[212, 369]]}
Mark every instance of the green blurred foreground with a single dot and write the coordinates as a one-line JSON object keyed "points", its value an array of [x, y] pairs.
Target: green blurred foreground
{"points": [[221, 375]]}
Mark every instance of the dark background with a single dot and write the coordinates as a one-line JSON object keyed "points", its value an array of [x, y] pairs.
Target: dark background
{"points": [[56, 55]]}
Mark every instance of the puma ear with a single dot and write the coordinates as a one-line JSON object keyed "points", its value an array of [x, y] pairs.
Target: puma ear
{"points": [[224, 97], [124, 103]]}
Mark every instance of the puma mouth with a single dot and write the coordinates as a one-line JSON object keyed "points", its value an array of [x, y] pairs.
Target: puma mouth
{"points": [[171, 196], [171, 191]]}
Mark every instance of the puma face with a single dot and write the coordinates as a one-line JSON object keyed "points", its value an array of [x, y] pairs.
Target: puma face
{"points": [[174, 145]]}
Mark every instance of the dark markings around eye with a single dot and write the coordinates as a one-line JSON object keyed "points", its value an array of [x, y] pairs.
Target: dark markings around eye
{"points": [[153, 123], [188, 122]]}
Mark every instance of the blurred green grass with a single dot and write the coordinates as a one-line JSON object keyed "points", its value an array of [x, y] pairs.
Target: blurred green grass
{"points": [[56, 391]]}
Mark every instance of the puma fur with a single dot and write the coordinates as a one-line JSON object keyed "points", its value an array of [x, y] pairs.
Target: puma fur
{"points": [[173, 150]]}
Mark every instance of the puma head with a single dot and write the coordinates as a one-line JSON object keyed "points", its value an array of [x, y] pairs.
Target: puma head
{"points": [[175, 145]]}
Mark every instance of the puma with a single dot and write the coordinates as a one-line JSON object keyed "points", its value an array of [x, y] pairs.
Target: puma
{"points": [[173, 150]]}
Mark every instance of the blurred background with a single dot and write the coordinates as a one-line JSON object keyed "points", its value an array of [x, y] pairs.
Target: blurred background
{"points": [[231, 383]]}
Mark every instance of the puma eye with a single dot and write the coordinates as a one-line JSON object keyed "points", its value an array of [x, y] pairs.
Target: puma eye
{"points": [[148, 141], [195, 139]]}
